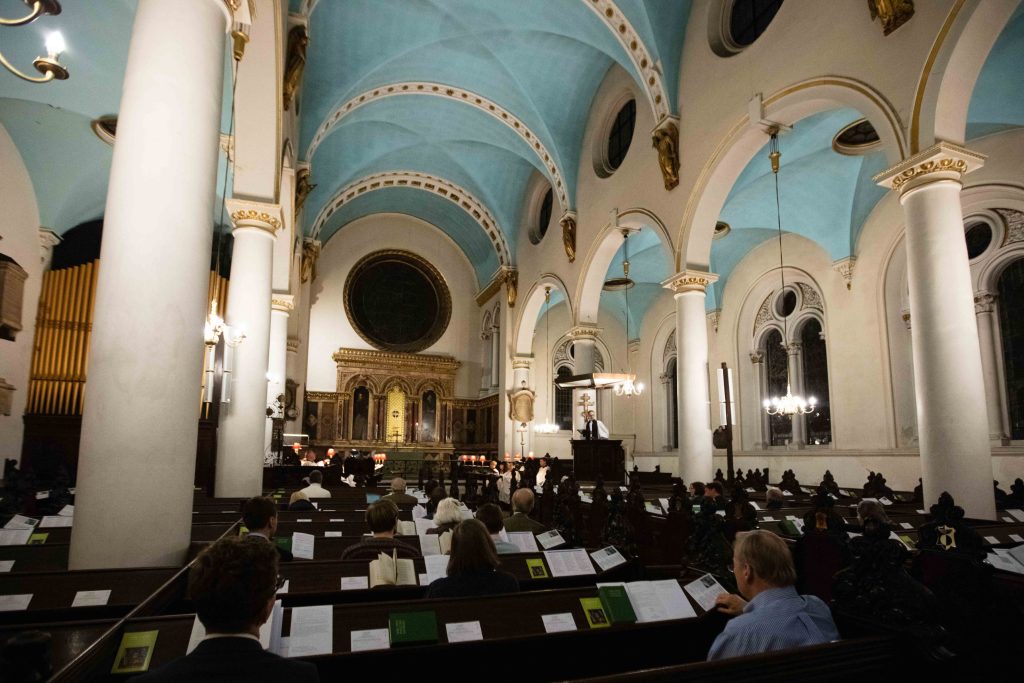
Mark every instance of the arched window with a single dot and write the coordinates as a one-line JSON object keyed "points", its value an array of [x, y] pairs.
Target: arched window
{"points": [[749, 19], [672, 388], [563, 401], [1011, 328], [780, 427], [815, 367]]}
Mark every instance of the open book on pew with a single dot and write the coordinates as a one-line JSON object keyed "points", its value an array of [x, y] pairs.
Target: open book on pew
{"points": [[407, 528], [655, 600], [1011, 560], [389, 570]]}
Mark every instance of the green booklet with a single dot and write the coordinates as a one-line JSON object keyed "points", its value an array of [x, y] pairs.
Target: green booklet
{"points": [[284, 543], [537, 568], [594, 611], [135, 652], [789, 528], [616, 604], [410, 628], [38, 539]]}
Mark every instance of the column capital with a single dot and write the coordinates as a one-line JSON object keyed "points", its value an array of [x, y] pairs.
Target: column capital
{"points": [[585, 332], [293, 344], [984, 302], [48, 239], [282, 302], [941, 161], [690, 281], [794, 348], [756, 357], [259, 215], [844, 267], [633, 346], [522, 362]]}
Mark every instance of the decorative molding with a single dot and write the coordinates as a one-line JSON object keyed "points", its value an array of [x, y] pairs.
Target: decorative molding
{"points": [[906, 318], [522, 363], [690, 281], [247, 214], [428, 183], [764, 314], [665, 139], [756, 357], [561, 357], [633, 346], [984, 302], [714, 317], [227, 145], [670, 348], [794, 348], [364, 358], [1014, 225], [942, 161], [48, 239], [517, 125], [293, 344], [282, 302], [511, 279], [809, 298], [492, 288], [568, 223], [647, 68], [520, 405], [845, 268], [591, 332], [892, 13], [310, 255]]}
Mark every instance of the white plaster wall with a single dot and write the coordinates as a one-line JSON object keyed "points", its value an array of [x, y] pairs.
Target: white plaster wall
{"points": [[19, 230], [329, 328]]}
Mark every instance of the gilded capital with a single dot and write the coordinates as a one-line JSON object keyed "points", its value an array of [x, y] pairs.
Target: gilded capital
{"points": [[246, 214], [942, 161], [282, 302], [585, 332], [522, 362], [690, 281]]}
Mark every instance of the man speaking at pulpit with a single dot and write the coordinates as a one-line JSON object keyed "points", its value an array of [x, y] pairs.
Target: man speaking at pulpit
{"points": [[593, 428]]}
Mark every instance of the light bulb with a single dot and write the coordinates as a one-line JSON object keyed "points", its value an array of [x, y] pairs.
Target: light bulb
{"points": [[55, 44]]}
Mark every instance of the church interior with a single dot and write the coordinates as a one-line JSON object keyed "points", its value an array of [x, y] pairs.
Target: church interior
{"points": [[685, 274]]}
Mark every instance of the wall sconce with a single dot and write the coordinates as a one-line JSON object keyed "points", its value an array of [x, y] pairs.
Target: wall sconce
{"points": [[49, 66]]}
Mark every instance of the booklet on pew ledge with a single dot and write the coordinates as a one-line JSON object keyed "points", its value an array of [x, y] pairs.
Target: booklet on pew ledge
{"points": [[444, 541], [430, 545], [389, 570], [574, 562], [15, 536], [594, 611], [303, 545], [616, 604], [523, 540], [37, 539], [135, 652], [550, 539], [21, 522], [412, 628], [607, 558], [537, 568], [312, 631]]}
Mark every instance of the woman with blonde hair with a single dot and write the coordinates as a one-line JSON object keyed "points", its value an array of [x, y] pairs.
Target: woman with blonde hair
{"points": [[472, 566]]}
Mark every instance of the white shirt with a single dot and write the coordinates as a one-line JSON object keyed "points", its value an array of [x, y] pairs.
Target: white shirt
{"points": [[602, 431], [316, 491], [542, 474]]}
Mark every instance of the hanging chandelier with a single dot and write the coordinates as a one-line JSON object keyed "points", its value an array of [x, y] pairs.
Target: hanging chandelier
{"points": [[49, 66], [629, 386], [547, 427], [788, 404]]}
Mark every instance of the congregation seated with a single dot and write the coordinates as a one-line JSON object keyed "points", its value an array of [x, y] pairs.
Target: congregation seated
{"points": [[520, 520], [713, 494], [259, 514], [823, 517], [434, 499], [382, 518], [472, 566], [315, 488], [872, 513], [398, 495], [299, 502], [490, 515], [768, 614], [447, 516], [774, 498], [740, 515], [233, 585], [696, 492]]}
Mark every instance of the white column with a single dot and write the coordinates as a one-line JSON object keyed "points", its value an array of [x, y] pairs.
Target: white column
{"points": [[795, 364], [584, 354], [988, 333], [693, 402], [137, 456], [487, 352], [949, 382], [521, 365], [243, 421], [495, 356], [277, 358], [763, 428]]}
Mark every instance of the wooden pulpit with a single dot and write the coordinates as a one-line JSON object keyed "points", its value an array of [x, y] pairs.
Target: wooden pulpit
{"points": [[603, 457]]}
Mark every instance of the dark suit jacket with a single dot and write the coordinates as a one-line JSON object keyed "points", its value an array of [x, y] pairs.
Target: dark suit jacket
{"points": [[285, 555], [232, 659], [521, 522], [401, 499]]}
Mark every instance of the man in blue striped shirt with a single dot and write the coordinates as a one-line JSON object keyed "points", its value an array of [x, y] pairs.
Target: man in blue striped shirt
{"points": [[776, 616]]}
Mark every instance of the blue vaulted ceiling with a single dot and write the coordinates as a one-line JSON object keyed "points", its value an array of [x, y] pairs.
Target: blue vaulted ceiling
{"points": [[541, 60], [997, 102], [650, 263], [825, 196]]}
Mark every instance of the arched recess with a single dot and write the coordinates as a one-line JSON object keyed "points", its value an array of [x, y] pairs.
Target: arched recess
{"points": [[663, 354], [941, 103], [546, 159], [602, 252], [441, 187], [786, 106], [526, 321]]}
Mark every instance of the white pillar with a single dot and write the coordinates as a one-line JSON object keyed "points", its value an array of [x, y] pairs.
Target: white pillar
{"points": [[794, 350], [949, 383], [988, 333], [277, 358], [521, 365], [495, 356], [693, 402], [763, 427], [243, 421], [137, 455], [488, 358], [584, 354]]}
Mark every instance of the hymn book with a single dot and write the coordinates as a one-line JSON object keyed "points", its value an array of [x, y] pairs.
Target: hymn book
{"points": [[412, 628], [389, 570], [445, 543], [135, 652]]}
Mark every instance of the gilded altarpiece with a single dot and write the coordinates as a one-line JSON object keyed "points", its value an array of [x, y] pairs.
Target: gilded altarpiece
{"points": [[385, 400]]}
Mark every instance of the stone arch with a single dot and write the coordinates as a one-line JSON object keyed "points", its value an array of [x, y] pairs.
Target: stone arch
{"points": [[603, 249], [957, 57], [526, 322], [787, 106]]}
